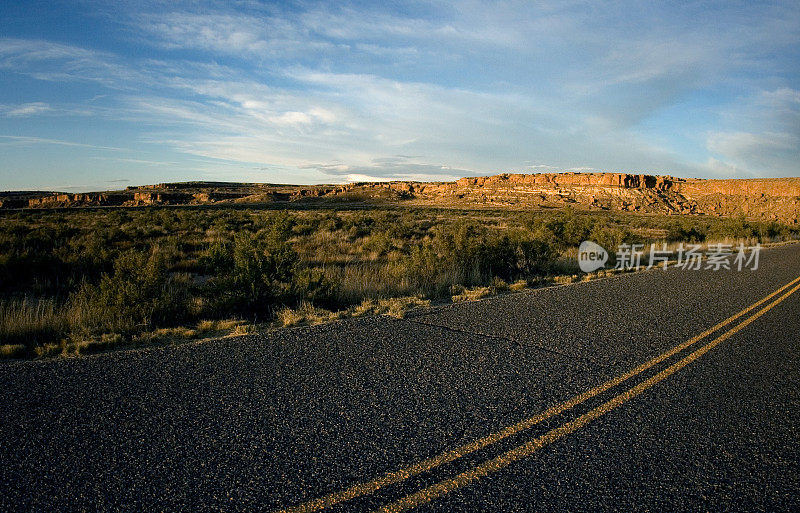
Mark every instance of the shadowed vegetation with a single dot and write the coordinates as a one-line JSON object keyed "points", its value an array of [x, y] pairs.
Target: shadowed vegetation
{"points": [[77, 281]]}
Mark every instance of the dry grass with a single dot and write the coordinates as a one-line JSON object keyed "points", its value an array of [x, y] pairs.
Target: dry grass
{"points": [[31, 322], [394, 307], [518, 285], [13, 351], [218, 327], [460, 294], [472, 294], [243, 329], [307, 314], [567, 278], [370, 280], [166, 335]]}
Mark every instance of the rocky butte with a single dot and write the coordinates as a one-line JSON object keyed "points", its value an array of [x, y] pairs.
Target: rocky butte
{"points": [[762, 198]]}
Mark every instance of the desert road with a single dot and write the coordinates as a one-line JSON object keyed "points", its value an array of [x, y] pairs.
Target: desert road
{"points": [[656, 391]]}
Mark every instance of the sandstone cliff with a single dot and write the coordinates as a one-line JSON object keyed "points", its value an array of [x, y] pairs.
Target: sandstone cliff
{"points": [[766, 199]]}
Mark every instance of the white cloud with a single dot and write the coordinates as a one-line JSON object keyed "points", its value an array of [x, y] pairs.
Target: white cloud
{"points": [[719, 169], [292, 118], [355, 177], [26, 109], [136, 161], [395, 167], [771, 145], [14, 140], [467, 87], [54, 62], [18, 51], [784, 97], [740, 144], [228, 33], [365, 118]]}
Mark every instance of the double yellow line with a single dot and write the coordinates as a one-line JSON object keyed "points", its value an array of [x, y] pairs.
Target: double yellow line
{"points": [[445, 486]]}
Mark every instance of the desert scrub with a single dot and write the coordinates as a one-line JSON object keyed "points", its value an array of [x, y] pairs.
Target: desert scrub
{"points": [[105, 278], [28, 323], [468, 254], [138, 295], [255, 273]]}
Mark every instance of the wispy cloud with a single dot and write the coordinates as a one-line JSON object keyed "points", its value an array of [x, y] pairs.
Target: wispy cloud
{"points": [[25, 109], [396, 167], [220, 32], [770, 146], [16, 52], [15, 140], [339, 90], [144, 162]]}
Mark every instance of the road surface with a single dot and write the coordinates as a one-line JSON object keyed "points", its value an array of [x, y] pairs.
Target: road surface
{"points": [[662, 390]]}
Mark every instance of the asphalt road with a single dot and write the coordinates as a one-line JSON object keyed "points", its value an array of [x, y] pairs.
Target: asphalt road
{"points": [[262, 423]]}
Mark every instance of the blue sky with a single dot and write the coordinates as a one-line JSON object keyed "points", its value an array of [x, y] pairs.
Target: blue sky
{"points": [[104, 94]]}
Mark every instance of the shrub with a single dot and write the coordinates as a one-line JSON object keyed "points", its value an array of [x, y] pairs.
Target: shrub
{"points": [[256, 273], [566, 229], [610, 237], [86, 274], [736, 228], [469, 255], [425, 267], [315, 286], [774, 231], [682, 232], [138, 295], [217, 258]]}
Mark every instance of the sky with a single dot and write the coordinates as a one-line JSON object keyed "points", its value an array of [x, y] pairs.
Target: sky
{"points": [[104, 94]]}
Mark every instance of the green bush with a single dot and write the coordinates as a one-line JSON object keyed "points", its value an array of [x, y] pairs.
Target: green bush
{"points": [[736, 228], [217, 258], [611, 236], [468, 254], [563, 229], [138, 295], [774, 231], [313, 285], [261, 268], [679, 231], [256, 273], [512, 257]]}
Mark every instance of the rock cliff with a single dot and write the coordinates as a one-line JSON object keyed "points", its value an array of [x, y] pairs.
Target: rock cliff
{"points": [[766, 199]]}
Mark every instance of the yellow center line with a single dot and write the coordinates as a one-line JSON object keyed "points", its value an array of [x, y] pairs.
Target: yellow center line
{"points": [[524, 450], [404, 473]]}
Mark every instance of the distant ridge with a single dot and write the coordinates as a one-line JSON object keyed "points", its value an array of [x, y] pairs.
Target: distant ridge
{"points": [[758, 198]]}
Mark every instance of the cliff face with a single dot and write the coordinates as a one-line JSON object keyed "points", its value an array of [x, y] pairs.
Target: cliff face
{"points": [[766, 199], [774, 187], [609, 191], [761, 198]]}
